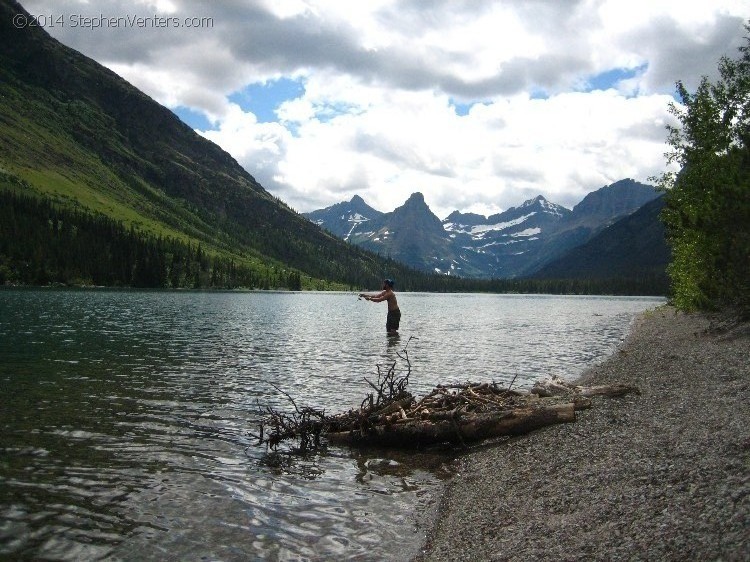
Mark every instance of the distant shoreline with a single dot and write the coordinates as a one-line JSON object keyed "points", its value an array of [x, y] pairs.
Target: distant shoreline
{"points": [[304, 291], [663, 475]]}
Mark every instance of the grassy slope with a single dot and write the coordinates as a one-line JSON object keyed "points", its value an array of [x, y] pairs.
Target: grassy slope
{"points": [[37, 145]]}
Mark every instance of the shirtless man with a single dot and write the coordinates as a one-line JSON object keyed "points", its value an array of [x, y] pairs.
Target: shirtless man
{"points": [[394, 314]]}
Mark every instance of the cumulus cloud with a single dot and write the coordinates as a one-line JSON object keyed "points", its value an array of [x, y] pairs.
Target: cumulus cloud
{"points": [[478, 105]]}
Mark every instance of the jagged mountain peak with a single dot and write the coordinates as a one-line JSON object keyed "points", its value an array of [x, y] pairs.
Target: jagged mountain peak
{"points": [[410, 233], [347, 218], [507, 244], [538, 206], [538, 200], [416, 209], [355, 205], [416, 198], [459, 218], [541, 204]]}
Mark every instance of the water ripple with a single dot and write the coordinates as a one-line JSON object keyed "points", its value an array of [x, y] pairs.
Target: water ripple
{"points": [[127, 416]]}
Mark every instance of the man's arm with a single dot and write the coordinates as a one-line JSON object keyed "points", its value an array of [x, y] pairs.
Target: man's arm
{"points": [[380, 297]]}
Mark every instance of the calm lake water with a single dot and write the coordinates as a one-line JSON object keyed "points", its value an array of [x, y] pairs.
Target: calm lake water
{"points": [[126, 416]]}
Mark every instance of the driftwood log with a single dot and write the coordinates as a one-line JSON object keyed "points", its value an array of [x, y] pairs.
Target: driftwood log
{"points": [[457, 414], [456, 427], [555, 386]]}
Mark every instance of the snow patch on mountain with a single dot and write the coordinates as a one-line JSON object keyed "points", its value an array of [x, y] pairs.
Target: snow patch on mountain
{"points": [[355, 219], [546, 206], [528, 232], [480, 230]]}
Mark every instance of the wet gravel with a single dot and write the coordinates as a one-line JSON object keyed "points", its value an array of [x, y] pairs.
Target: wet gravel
{"points": [[664, 475]]}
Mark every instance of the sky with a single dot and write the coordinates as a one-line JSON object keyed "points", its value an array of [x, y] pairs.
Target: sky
{"points": [[478, 105]]}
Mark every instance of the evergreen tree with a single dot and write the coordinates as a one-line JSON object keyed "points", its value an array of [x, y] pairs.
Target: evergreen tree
{"points": [[707, 213]]}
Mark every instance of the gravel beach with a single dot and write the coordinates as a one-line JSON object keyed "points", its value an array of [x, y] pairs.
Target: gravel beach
{"points": [[663, 475]]}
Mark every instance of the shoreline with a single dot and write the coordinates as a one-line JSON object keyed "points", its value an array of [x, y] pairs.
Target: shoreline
{"points": [[664, 475]]}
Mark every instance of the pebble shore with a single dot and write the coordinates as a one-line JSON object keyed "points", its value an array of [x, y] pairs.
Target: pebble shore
{"points": [[663, 475]]}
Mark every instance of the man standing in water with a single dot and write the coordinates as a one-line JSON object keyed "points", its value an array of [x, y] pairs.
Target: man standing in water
{"points": [[394, 314]]}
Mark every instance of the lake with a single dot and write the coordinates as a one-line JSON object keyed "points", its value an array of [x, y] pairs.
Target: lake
{"points": [[127, 416]]}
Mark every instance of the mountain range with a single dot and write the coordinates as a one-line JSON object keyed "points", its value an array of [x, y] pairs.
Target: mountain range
{"points": [[99, 184], [519, 242]]}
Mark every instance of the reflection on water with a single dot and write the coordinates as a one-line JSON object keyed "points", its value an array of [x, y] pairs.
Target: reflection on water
{"points": [[127, 416]]}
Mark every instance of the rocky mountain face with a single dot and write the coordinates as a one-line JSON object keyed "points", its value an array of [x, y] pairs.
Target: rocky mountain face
{"points": [[411, 234], [514, 243], [634, 246], [346, 219], [596, 212], [501, 245]]}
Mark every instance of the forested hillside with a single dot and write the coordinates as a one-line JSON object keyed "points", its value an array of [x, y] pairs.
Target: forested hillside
{"points": [[41, 243]]}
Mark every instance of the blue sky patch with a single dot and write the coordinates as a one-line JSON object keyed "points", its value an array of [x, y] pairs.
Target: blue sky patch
{"points": [[263, 99], [461, 109], [611, 78], [194, 119], [329, 111], [538, 94]]}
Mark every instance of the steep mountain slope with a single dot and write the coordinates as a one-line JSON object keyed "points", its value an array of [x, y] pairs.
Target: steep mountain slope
{"points": [[634, 246], [595, 212], [611, 201], [411, 234], [74, 131]]}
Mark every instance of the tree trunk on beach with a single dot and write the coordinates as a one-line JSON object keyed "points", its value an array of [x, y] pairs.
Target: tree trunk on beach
{"points": [[458, 427], [456, 413], [557, 387]]}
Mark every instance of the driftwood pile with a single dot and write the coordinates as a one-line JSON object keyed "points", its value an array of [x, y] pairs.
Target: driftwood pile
{"points": [[456, 414]]}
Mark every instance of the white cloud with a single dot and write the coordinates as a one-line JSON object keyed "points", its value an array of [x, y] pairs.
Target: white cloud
{"points": [[496, 156], [381, 80]]}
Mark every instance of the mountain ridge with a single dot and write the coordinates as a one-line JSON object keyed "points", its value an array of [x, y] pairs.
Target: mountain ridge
{"points": [[512, 243], [620, 250]]}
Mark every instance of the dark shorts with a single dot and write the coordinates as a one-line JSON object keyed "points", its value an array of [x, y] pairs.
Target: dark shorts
{"points": [[392, 322]]}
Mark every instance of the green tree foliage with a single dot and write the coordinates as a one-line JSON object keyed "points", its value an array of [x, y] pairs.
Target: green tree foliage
{"points": [[707, 212]]}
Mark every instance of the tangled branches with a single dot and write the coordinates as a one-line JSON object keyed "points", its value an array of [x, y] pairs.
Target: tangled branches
{"points": [[449, 414], [390, 385], [306, 425]]}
